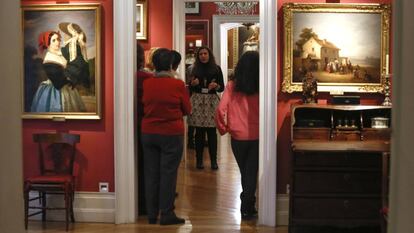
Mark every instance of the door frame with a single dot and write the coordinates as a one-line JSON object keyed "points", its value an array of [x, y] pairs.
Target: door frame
{"points": [[124, 124]]}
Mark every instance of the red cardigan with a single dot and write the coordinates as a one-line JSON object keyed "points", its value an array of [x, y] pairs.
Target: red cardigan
{"points": [[165, 101], [141, 76]]}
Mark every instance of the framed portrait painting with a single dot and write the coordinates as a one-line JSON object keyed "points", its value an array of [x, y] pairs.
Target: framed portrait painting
{"points": [[343, 46], [192, 8], [141, 33], [61, 78]]}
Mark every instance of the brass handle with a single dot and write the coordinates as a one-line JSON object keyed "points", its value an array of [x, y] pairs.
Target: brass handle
{"points": [[347, 177], [346, 204]]}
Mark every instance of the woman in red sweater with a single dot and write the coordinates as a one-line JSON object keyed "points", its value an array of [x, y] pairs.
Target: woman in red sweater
{"points": [[165, 101], [238, 114]]}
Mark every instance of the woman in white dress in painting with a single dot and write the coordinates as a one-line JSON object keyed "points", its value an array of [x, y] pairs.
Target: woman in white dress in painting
{"points": [[57, 93]]}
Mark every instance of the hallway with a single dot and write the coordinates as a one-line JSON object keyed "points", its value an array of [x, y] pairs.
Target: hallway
{"points": [[207, 199]]}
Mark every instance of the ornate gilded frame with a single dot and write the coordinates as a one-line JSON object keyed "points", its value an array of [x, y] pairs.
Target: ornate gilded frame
{"points": [[37, 19], [142, 18], [299, 58]]}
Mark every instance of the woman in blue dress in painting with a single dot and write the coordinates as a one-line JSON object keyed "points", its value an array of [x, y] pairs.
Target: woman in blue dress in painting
{"points": [[57, 93]]}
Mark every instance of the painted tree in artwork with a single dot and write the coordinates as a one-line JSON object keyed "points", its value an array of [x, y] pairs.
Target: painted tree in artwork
{"points": [[306, 34]]}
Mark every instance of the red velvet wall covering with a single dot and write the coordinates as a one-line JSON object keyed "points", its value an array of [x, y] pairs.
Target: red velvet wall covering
{"points": [[95, 158], [159, 24]]}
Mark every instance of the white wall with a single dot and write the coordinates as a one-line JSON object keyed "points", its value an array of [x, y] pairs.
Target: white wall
{"points": [[402, 156], [11, 184]]}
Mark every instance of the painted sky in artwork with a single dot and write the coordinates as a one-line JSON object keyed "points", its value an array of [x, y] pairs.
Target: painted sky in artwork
{"points": [[357, 35]]}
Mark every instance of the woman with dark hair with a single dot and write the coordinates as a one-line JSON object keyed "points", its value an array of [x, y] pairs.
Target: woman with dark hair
{"points": [[166, 102], [58, 92], [206, 81], [238, 114]]}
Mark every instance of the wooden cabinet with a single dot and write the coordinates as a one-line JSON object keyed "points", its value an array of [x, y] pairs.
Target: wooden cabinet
{"points": [[338, 167]]}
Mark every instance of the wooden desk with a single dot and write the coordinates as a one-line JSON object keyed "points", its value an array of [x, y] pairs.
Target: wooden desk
{"points": [[339, 167]]}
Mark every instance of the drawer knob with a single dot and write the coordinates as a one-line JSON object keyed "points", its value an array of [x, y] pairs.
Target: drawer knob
{"points": [[347, 177], [346, 204]]}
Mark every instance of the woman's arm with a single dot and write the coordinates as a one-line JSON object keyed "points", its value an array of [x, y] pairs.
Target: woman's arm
{"points": [[185, 101], [219, 80], [222, 109]]}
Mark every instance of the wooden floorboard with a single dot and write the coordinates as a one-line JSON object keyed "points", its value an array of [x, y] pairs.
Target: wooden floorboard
{"points": [[208, 200]]}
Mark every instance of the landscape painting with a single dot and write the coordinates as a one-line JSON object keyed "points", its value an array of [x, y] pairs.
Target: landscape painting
{"points": [[342, 46]]}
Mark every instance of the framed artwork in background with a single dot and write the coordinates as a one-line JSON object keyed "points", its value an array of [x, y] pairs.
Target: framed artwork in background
{"points": [[61, 67], [142, 23], [192, 8], [343, 46]]}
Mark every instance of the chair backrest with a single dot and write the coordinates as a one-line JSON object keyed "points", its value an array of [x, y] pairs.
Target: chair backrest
{"points": [[56, 152]]}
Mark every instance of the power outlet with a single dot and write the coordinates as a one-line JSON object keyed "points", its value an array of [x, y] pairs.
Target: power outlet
{"points": [[287, 189], [103, 187]]}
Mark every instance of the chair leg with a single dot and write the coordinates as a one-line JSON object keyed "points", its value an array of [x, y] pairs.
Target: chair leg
{"points": [[26, 208], [67, 201], [72, 215], [44, 205]]}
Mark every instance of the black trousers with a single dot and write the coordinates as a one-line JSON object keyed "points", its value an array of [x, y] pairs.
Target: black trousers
{"points": [[190, 135], [247, 157], [162, 156], [142, 209], [211, 139]]}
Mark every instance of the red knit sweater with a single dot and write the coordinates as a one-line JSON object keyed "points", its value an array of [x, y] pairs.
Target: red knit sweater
{"points": [[165, 101]]}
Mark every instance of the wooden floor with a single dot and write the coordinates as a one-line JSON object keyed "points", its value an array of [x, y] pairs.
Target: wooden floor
{"points": [[208, 200]]}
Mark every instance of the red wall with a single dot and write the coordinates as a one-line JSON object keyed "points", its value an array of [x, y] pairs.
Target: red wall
{"points": [[285, 100], [95, 157], [159, 25]]}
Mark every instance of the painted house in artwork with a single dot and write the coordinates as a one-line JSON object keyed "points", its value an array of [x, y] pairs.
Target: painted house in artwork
{"points": [[320, 51]]}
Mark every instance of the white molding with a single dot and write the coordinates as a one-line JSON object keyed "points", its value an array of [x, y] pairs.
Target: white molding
{"points": [[88, 207], [221, 24], [179, 32], [282, 213], [401, 202], [124, 125], [268, 77], [268, 104]]}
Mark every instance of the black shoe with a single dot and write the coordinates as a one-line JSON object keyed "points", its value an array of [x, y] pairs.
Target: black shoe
{"points": [[200, 165], [248, 215], [171, 220], [214, 166], [152, 220], [191, 146]]}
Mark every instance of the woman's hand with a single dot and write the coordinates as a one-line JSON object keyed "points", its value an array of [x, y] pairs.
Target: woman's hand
{"points": [[194, 81], [212, 86]]}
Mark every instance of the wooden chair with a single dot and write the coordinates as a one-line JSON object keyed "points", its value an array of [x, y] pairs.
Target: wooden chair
{"points": [[56, 153]]}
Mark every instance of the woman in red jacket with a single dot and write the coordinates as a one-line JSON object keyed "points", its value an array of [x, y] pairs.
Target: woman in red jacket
{"points": [[238, 114], [165, 101]]}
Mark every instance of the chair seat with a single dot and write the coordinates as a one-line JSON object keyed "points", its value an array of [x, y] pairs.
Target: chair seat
{"points": [[50, 179]]}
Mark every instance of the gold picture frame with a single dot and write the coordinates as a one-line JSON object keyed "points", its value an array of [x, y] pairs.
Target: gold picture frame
{"points": [[192, 8], [141, 19], [344, 46], [62, 72]]}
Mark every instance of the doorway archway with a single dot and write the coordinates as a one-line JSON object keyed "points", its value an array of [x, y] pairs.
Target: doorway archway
{"points": [[124, 128]]}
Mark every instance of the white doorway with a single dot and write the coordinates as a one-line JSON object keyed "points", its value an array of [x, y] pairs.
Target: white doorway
{"points": [[124, 128]]}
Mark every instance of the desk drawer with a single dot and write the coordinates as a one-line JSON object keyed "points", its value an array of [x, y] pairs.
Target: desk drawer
{"points": [[337, 182], [320, 159], [336, 208]]}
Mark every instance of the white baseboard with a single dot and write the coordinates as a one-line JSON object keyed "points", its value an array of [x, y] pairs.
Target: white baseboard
{"points": [[100, 207], [282, 213], [88, 207]]}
